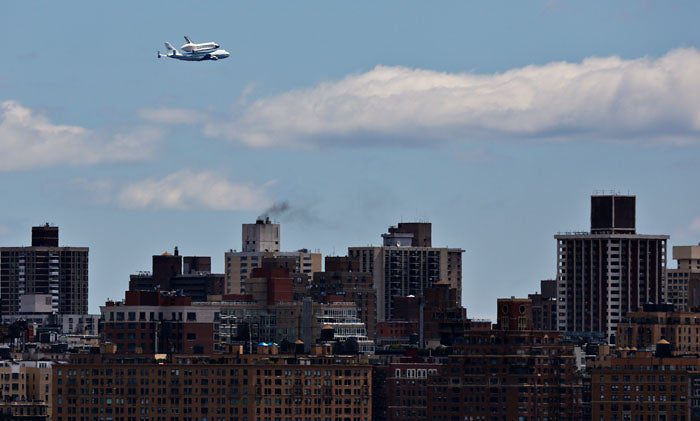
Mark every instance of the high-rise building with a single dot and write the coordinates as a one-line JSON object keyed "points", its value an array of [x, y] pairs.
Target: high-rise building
{"points": [[262, 241], [604, 273], [44, 273], [400, 268], [683, 283]]}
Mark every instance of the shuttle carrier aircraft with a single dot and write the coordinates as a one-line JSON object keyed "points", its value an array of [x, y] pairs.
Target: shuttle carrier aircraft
{"points": [[195, 52]]}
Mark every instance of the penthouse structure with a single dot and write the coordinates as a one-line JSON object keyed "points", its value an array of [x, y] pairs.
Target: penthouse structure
{"points": [[604, 273], [407, 264], [190, 275], [43, 274], [261, 241], [239, 388], [683, 288]]}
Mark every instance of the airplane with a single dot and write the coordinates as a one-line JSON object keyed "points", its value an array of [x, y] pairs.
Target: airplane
{"points": [[210, 54], [191, 47]]}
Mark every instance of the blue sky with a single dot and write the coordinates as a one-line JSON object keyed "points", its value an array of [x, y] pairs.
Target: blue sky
{"points": [[493, 120]]}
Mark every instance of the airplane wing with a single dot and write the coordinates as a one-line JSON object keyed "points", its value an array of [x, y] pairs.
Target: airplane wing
{"points": [[188, 40]]}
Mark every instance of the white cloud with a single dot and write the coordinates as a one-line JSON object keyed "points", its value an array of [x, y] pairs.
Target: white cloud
{"points": [[599, 98], [187, 189], [167, 115], [29, 140]]}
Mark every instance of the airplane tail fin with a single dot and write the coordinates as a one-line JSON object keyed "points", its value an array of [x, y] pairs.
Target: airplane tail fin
{"points": [[169, 46], [159, 54], [189, 41]]}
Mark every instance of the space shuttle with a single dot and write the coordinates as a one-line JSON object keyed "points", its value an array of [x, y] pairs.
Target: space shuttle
{"points": [[205, 47]]}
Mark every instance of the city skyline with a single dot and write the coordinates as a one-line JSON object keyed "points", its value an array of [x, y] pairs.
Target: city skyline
{"points": [[131, 156]]}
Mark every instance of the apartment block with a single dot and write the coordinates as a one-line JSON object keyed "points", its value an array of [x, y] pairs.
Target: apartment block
{"points": [[44, 271], [152, 322], [233, 388], [399, 268], [645, 385], [604, 273]]}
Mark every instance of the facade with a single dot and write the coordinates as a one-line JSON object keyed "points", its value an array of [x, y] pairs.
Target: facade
{"points": [[403, 390], [644, 385], [25, 389], [683, 288], [507, 375], [238, 388], [400, 270], [604, 273], [46, 270], [643, 329]]}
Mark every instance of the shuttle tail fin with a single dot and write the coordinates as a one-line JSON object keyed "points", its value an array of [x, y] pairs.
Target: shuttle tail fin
{"points": [[169, 46], [189, 41]]}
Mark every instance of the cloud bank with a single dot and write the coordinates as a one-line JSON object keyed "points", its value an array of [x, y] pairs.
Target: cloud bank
{"points": [[30, 140], [598, 98], [187, 189]]}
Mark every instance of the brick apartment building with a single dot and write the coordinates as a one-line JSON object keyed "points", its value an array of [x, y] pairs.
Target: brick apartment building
{"points": [[646, 385], [152, 322], [509, 373], [231, 388]]}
